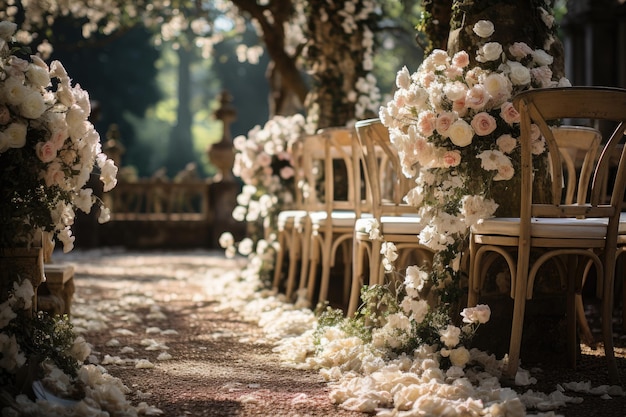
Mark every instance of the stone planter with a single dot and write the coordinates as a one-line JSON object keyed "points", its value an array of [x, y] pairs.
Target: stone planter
{"points": [[18, 264]]}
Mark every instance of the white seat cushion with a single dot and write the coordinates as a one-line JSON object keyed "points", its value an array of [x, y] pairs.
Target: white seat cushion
{"points": [[289, 217], [622, 223], [564, 228], [396, 225], [339, 218]]}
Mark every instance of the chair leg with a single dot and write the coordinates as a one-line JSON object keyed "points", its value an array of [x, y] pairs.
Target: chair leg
{"points": [[294, 257], [280, 256], [326, 266], [311, 278], [376, 277], [607, 325], [346, 250], [571, 315], [519, 306], [359, 250], [472, 289]]}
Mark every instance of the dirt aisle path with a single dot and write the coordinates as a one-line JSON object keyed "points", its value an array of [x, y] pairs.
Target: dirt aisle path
{"points": [[151, 323]]}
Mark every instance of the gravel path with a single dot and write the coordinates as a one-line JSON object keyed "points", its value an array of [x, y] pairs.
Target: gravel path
{"points": [[150, 318]]}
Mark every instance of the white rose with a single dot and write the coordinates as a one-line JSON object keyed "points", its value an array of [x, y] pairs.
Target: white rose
{"points": [[14, 91], [460, 133], [15, 135], [32, 106], [7, 29], [519, 74], [483, 28], [490, 51], [84, 199], [37, 75], [459, 356], [108, 172], [403, 78], [498, 86], [450, 335], [479, 314], [542, 58]]}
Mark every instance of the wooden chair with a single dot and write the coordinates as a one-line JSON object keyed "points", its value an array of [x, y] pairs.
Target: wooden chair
{"points": [[386, 186], [583, 232], [329, 164], [290, 232]]}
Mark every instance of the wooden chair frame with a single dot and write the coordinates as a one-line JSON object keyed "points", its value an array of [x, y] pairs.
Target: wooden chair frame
{"points": [[569, 226]]}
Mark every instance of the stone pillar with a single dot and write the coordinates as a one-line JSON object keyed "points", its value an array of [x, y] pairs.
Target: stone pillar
{"points": [[223, 190]]}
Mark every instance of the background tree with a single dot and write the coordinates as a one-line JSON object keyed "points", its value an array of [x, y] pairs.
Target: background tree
{"points": [[297, 35]]}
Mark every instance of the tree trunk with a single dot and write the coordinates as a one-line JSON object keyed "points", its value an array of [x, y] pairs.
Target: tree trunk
{"points": [[181, 142], [336, 62], [516, 21]]}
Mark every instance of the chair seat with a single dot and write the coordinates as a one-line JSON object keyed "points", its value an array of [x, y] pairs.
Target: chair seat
{"points": [[289, 218], [339, 218], [392, 225], [562, 228]]}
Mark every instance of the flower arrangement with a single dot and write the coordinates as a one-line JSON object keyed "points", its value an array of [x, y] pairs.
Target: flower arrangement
{"points": [[48, 147], [263, 161], [37, 339], [456, 131]]}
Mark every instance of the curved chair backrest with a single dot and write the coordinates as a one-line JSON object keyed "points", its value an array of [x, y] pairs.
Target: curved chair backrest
{"points": [[579, 147], [328, 167], [385, 182]]}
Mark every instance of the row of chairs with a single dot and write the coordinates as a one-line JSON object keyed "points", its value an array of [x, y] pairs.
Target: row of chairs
{"points": [[351, 177]]}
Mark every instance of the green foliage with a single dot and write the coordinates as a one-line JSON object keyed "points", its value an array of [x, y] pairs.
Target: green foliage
{"points": [[330, 317], [42, 337], [378, 302]]}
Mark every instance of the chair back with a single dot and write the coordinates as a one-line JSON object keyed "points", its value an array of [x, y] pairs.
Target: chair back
{"points": [[385, 183], [538, 108], [295, 149], [579, 147], [328, 170]]}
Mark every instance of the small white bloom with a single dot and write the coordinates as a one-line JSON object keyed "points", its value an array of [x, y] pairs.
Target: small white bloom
{"points": [[479, 314], [483, 28], [450, 335], [490, 51]]}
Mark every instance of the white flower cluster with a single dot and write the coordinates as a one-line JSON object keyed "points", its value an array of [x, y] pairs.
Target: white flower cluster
{"points": [[42, 113], [263, 161], [456, 131]]}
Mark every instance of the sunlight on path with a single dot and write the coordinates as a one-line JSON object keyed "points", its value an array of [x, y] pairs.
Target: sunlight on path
{"points": [[361, 377]]}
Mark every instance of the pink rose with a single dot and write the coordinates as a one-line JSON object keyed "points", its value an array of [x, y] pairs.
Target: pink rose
{"points": [[426, 122], [520, 50], [443, 123], [54, 175], [460, 59], [459, 106], [505, 173], [535, 133], [59, 136], [476, 97], [508, 113], [542, 75], [452, 158], [483, 123], [287, 172], [453, 72], [46, 151], [506, 143]]}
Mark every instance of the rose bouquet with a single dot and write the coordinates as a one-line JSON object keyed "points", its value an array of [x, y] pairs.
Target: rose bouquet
{"points": [[48, 147], [456, 130], [264, 162]]}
